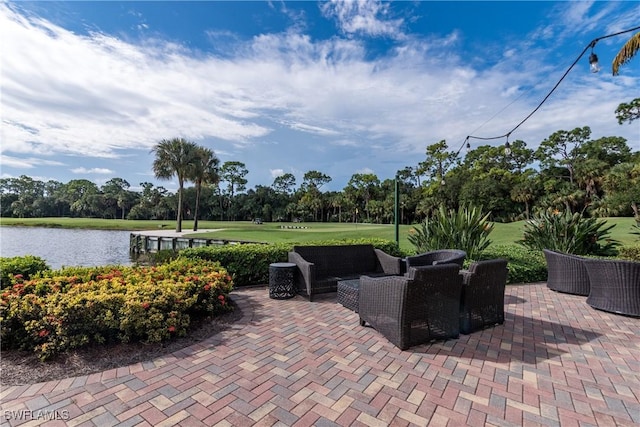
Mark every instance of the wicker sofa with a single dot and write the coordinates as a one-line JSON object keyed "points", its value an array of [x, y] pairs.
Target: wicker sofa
{"points": [[566, 273], [615, 285], [413, 309], [321, 267]]}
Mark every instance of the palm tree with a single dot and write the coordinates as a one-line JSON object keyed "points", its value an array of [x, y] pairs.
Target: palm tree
{"points": [[204, 170], [627, 52], [174, 157]]}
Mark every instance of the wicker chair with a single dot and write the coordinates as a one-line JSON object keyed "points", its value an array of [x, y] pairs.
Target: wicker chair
{"points": [[482, 300], [441, 256], [414, 309], [566, 273], [615, 286]]}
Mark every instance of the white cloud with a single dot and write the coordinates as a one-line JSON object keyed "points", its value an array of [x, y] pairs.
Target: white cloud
{"points": [[370, 17], [27, 163], [96, 96], [276, 172], [85, 171]]}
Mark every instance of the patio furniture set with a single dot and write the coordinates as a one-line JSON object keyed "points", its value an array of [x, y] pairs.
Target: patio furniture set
{"points": [[609, 285], [409, 301]]}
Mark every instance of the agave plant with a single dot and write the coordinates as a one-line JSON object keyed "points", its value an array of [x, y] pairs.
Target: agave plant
{"points": [[569, 233], [466, 229]]}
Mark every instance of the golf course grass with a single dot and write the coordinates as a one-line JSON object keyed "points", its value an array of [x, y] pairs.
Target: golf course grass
{"points": [[293, 232]]}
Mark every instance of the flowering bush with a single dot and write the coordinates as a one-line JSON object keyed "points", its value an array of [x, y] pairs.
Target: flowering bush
{"points": [[72, 307], [23, 266]]}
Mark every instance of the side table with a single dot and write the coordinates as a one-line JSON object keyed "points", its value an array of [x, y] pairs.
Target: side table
{"points": [[282, 280]]}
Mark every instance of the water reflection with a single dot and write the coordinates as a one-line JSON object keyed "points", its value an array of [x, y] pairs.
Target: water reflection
{"points": [[67, 247]]}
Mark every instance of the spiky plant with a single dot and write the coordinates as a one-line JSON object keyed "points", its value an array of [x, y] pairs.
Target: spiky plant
{"points": [[466, 229], [568, 233]]}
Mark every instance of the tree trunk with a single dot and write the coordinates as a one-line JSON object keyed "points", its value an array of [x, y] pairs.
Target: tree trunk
{"points": [[179, 214], [195, 213]]}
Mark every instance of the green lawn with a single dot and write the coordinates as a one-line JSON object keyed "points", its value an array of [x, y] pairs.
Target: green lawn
{"points": [[272, 232]]}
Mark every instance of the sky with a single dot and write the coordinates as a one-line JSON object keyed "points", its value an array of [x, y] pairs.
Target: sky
{"points": [[89, 88]]}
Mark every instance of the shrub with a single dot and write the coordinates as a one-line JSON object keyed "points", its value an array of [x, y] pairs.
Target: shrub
{"points": [[467, 229], [249, 263], [629, 252], [568, 233], [22, 266], [525, 265], [58, 311]]}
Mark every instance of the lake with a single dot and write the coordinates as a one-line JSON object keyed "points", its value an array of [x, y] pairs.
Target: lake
{"points": [[67, 247]]}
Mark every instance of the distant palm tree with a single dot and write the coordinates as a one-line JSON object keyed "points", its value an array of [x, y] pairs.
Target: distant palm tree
{"points": [[204, 170], [174, 157], [627, 52]]}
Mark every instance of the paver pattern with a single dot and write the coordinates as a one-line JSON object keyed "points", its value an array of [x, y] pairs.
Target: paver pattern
{"points": [[555, 362]]}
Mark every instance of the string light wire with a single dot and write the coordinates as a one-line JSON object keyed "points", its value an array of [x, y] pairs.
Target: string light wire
{"points": [[591, 45]]}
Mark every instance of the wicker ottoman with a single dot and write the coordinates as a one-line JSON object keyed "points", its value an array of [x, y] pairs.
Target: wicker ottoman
{"points": [[281, 280], [349, 293]]}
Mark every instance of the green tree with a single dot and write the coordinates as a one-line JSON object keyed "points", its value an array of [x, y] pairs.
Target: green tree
{"points": [[204, 170], [83, 197], [311, 197], [284, 183], [233, 173], [116, 193], [628, 112], [363, 187], [562, 149], [174, 157]]}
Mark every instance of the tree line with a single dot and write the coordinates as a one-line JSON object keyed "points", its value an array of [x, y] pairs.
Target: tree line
{"points": [[569, 171]]}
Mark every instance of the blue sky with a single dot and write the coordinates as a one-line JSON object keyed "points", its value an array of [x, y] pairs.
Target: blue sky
{"points": [[88, 88]]}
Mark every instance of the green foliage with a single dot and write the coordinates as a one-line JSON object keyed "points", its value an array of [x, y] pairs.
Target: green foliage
{"points": [[629, 252], [466, 229], [249, 263], [525, 265], [73, 307], [569, 233], [635, 228], [22, 266]]}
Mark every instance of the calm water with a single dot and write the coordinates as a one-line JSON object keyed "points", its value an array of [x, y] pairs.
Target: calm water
{"points": [[65, 247]]}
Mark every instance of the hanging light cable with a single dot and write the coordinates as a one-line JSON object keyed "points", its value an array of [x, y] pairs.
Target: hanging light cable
{"points": [[593, 64]]}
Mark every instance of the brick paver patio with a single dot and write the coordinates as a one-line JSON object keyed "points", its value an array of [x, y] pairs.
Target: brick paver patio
{"points": [[555, 362]]}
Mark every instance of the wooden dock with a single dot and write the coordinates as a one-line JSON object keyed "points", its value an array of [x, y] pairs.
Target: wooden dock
{"points": [[155, 241]]}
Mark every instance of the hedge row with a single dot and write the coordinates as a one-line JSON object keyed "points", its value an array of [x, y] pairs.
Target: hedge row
{"points": [[249, 263], [73, 307], [525, 265]]}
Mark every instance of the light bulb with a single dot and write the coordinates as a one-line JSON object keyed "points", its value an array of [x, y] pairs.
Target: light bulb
{"points": [[593, 63], [507, 149]]}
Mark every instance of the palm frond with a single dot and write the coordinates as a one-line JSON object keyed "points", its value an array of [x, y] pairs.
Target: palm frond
{"points": [[627, 52]]}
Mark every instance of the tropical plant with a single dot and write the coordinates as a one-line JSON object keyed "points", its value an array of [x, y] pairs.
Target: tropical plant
{"points": [[625, 54], [635, 228], [568, 233], [467, 229], [174, 157]]}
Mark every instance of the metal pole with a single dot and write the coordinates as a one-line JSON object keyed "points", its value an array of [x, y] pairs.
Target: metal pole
{"points": [[396, 210]]}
